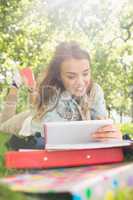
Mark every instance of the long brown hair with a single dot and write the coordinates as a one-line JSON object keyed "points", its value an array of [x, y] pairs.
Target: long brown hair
{"points": [[52, 79]]}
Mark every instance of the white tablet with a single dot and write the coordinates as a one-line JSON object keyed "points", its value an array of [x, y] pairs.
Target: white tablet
{"points": [[71, 132]]}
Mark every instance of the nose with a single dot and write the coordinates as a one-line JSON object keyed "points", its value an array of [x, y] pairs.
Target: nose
{"points": [[80, 81]]}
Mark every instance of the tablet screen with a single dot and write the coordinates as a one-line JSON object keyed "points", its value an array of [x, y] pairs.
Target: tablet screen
{"points": [[72, 132]]}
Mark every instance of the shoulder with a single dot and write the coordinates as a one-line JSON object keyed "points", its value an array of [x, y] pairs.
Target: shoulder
{"points": [[98, 106], [98, 89]]}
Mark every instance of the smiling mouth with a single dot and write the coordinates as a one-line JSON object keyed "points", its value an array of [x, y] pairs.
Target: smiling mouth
{"points": [[80, 89]]}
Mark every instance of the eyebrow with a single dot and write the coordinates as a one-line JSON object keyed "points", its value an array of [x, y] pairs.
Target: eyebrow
{"points": [[73, 73]]}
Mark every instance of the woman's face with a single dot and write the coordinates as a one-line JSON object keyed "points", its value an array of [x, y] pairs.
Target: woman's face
{"points": [[75, 75]]}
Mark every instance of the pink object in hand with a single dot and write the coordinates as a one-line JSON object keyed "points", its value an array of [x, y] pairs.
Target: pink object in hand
{"points": [[28, 76]]}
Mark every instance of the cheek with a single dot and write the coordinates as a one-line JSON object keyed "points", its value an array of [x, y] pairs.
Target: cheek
{"points": [[87, 82], [71, 84], [68, 83]]}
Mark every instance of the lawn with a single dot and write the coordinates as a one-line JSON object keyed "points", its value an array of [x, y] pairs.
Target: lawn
{"points": [[3, 149], [5, 193]]}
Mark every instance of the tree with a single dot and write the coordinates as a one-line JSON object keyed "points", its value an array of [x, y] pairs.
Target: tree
{"points": [[30, 30]]}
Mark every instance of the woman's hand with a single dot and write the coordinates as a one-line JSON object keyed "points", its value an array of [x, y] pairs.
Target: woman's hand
{"points": [[108, 132]]}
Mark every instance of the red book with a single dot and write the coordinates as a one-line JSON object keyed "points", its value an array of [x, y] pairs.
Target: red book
{"points": [[62, 158], [28, 76]]}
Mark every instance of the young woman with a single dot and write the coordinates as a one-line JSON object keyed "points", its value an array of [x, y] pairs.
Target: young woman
{"points": [[68, 92]]}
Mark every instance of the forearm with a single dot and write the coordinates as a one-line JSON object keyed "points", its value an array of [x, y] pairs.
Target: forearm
{"points": [[32, 98]]}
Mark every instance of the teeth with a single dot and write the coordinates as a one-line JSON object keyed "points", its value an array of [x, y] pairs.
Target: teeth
{"points": [[79, 88]]}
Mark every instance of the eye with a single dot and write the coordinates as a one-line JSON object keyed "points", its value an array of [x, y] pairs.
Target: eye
{"points": [[71, 77], [86, 74]]}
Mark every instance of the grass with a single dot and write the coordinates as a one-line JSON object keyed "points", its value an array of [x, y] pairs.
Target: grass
{"points": [[124, 194], [127, 128], [3, 149], [5, 192]]}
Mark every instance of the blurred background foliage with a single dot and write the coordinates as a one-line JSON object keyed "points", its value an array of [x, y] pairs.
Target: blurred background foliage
{"points": [[30, 30]]}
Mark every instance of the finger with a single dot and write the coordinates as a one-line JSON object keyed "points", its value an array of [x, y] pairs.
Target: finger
{"points": [[104, 127], [105, 135], [101, 139], [107, 129]]}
